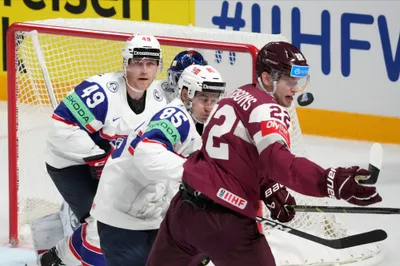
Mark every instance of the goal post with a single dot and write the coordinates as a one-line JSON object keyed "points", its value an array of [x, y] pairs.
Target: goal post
{"points": [[46, 59]]}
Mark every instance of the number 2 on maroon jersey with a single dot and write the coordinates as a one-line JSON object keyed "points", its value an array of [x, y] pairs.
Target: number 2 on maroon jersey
{"points": [[221, 152], [282, 115]]}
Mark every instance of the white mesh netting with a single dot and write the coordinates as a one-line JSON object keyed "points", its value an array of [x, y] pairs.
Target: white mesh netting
{"points": [[68, 60]]}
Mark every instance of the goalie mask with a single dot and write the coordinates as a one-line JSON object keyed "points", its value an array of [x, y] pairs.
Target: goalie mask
{"points": [[204, 85], [282, 58], [180, 62]]}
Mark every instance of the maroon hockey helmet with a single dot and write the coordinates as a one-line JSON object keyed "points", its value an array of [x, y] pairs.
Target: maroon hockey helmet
{"points": [[281, 58]]}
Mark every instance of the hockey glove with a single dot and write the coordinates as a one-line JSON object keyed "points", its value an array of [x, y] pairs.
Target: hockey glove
{"points": [[97, 162], [277, 197], [342, 184]]}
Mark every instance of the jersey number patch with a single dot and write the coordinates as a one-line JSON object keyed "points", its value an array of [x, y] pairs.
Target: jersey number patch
{"points": [[95, 99], [280, 114], [221, 152], [177, 116]]}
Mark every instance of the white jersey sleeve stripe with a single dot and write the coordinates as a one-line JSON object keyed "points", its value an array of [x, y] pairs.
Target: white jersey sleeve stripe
{"points": [[262, 142], [259, 113]]}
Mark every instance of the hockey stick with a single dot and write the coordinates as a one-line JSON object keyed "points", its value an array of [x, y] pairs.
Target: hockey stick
{"points": [[339, 243], [375, 164], [342, 209]]}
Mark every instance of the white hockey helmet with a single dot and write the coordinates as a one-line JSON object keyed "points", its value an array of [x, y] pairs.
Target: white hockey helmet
{"points": [[200, 78], [141, 47]]}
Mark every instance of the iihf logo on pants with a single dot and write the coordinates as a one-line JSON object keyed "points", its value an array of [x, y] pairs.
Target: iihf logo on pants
{"points": [[231, 198], [218, 57]]}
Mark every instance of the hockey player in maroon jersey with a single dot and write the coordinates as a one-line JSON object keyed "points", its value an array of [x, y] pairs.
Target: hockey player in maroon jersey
{"points": [[244, 158]]}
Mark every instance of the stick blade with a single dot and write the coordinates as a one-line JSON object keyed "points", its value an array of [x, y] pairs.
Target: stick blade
{"points": [[375, 164], [360, 239]]}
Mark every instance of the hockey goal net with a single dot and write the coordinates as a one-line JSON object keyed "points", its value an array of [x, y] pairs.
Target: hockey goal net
{"points": [[56, 55]]}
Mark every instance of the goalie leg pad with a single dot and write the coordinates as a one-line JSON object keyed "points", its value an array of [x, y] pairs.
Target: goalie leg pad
{"points": [[46, 232], [68, 219]]}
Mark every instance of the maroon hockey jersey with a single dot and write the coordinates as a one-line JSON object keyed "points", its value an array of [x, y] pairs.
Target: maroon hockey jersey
{"points": [[245, 149]]}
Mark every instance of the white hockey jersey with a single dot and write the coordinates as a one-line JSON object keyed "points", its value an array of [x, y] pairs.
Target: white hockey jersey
{"points": [[142, 175], [97, 109]]}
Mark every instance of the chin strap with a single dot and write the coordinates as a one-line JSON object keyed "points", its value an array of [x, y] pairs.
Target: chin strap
{"points": [[189, 109], [132, 88], [274, 84], [127, 83]]}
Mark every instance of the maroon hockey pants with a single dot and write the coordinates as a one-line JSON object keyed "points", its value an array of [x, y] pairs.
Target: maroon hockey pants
{"points": [[189, 232]]}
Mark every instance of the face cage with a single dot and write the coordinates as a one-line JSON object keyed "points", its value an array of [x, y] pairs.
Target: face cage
{"points": [[173, 78]]}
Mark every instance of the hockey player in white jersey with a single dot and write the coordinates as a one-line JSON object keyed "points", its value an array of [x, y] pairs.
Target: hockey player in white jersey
{"points": [[92, 119], [75, 252], [142, 174]]}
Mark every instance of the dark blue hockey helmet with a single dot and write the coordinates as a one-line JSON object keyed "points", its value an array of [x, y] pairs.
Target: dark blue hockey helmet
{"points": [[180, 62]]}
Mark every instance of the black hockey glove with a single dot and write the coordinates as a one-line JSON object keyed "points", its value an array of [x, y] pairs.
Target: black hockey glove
{"points": [[277, 197], [97, 162]]}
